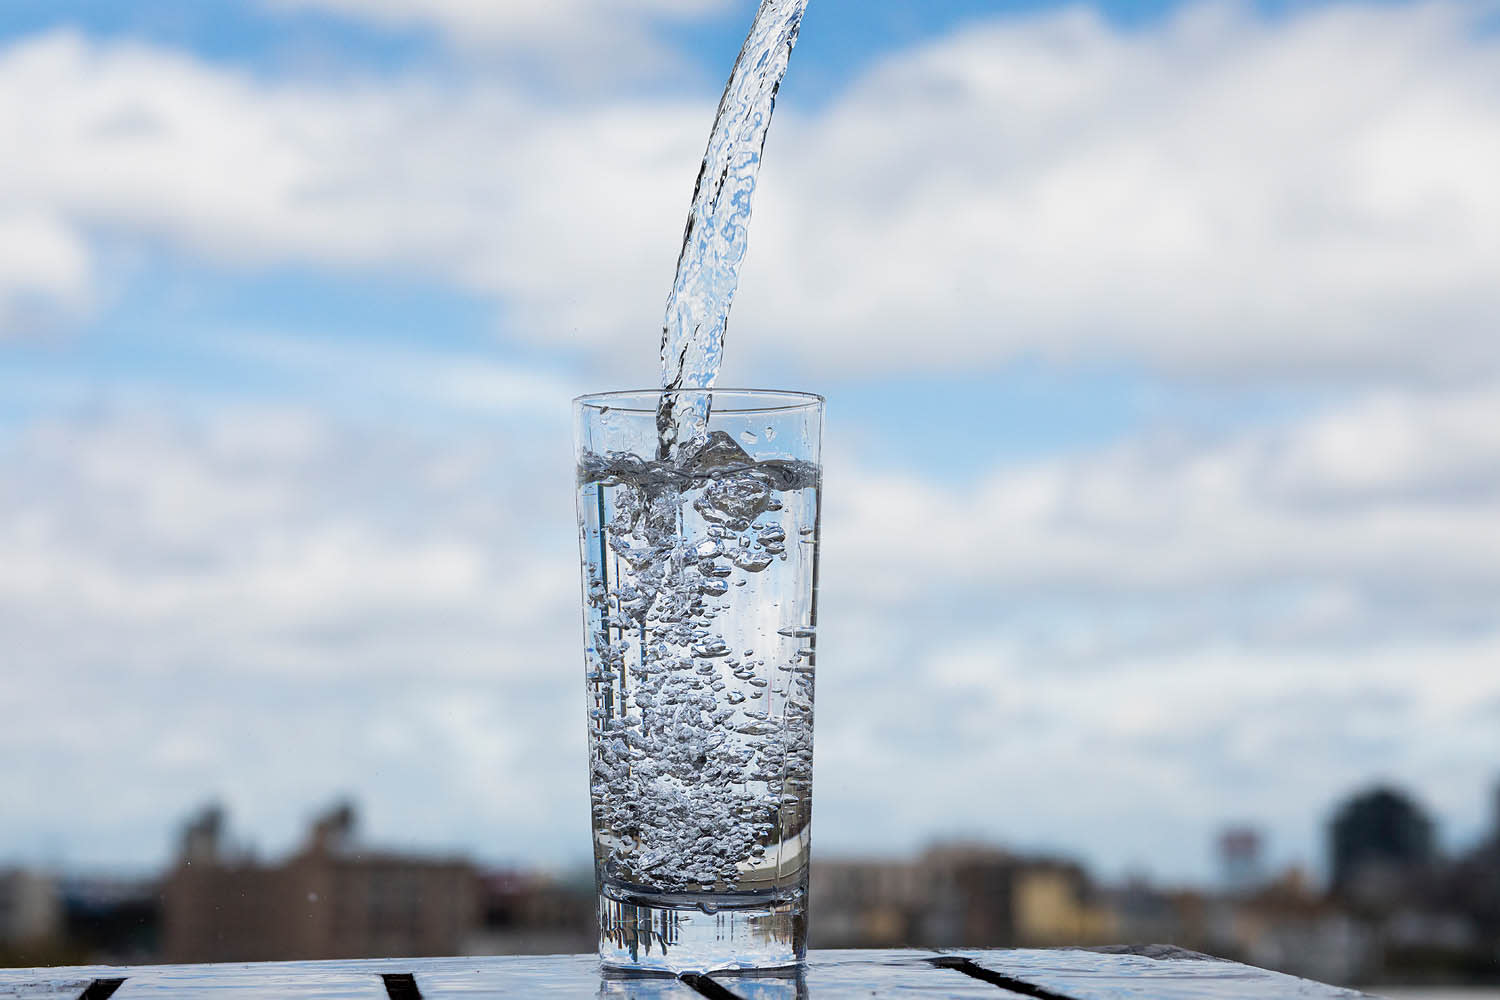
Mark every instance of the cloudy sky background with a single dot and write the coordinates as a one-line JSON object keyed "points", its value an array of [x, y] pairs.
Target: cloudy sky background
{"points": [[1163, 437]]}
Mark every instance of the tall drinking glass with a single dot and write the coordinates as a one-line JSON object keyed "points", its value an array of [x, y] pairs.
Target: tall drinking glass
{"points": [[700, 584]]}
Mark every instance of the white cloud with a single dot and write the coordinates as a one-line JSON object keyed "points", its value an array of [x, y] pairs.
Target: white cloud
{"points": [[267, 522], [45, 271], [617, 28], [1394, 487], [325, 607], [1121, 650], [1217, 193], [272, 606], [480, 189], [1139, 762], [468, 383]]}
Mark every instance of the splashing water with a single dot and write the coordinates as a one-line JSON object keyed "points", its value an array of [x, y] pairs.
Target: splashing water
{"points": [[714, 243]]}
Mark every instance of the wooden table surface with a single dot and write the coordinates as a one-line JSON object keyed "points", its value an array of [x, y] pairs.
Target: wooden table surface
{"points": [[1150, 973]]}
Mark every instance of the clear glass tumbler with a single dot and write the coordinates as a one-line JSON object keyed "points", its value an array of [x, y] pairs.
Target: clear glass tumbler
{"points": [[700, 581]]}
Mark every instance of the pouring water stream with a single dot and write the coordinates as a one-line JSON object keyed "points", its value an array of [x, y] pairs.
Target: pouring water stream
{"points": [[716, 236]]}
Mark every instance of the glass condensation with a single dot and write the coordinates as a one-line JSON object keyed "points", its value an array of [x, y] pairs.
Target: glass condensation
{"points": [[700, 613]]}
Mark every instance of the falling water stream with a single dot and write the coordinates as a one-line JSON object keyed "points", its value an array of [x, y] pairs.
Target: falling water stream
{"points": [[718, 225]]}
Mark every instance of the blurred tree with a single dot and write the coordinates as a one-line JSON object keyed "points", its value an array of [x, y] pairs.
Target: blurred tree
{"points": [[1379, 841]]}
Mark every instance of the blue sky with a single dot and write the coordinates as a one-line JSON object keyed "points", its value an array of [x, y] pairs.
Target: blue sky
{"points": [[1157, 338], [152, 326], [842, 34]]}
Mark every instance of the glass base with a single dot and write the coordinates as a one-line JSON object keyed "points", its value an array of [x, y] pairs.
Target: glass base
{"points": [[665, 935]]}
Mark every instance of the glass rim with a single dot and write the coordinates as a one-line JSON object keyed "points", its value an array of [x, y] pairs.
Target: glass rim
{"points": [[768, 400]]}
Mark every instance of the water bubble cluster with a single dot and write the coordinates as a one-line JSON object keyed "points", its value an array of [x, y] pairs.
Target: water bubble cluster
{"points": [[701, 766]]}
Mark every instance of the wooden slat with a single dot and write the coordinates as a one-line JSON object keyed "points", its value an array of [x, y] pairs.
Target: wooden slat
{"points": [[40, 986], [1157, 974], [281, 981], [907, 973], [1172, 975], [571, 976]]}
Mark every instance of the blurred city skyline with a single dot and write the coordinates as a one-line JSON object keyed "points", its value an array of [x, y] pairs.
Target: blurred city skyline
{"points": [[1396, 909], [1163, 476]]}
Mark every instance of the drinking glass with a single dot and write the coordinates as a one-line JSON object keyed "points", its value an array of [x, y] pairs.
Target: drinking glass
{"points": [[700, 584]]}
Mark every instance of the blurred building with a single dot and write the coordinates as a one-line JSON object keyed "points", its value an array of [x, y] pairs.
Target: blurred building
{"points": [[1289, 925], [73, 920], [112, 920], [527, 913], [865, 903], [30, 908], [1454, 923], [955, 895], [1380, 844], [983, 896], [331, 899], [1241, 866], [1396, 911], [1493, 839], [1144, 914]]}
